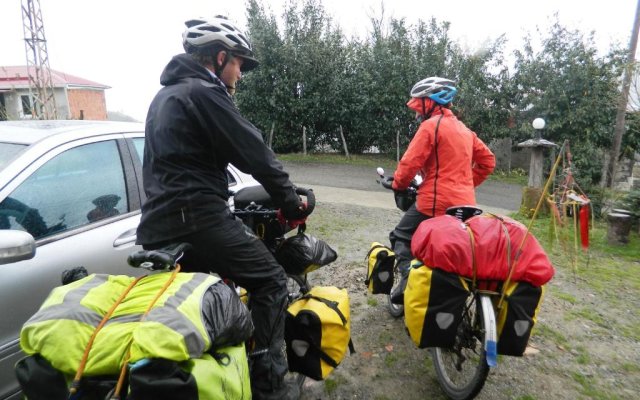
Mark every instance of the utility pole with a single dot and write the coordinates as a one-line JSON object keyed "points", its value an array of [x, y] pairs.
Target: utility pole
{"points": [[41, 94], [618, 130]]}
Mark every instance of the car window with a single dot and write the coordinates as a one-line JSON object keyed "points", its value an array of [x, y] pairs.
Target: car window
{"points": [[231, 178], [138, 143], [79, 186], [8, 151]]}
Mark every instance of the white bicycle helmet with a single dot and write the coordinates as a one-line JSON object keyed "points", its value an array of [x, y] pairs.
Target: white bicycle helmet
{"points": [[203, 33], [440, 90]]}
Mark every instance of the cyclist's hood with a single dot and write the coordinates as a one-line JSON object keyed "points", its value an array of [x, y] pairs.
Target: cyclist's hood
{"points": [[183, 66]]}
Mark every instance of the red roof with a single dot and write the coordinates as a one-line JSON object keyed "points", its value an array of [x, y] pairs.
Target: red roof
{"points": [[18, 77]]}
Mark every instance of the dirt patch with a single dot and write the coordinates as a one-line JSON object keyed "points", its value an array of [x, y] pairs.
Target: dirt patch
{"points": [[586, 343]]}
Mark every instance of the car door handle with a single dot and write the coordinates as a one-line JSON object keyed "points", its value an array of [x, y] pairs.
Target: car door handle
{"points": [[127, 237]]}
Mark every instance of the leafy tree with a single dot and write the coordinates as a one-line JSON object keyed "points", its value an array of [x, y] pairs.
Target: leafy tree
{"points": [[312, 77], [573, 89]]}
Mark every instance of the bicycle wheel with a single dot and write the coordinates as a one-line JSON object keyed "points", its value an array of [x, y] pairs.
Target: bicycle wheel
{"points": [[396, 310], [463, 369]]}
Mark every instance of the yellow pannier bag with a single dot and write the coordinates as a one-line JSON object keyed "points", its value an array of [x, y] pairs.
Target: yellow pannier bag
{"points": [[380, 262], [433, 304], [318, 331], [517, 317]]}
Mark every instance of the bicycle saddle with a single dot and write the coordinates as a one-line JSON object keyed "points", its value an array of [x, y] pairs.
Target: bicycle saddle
{"points": [[463, 213], [164, 258]]}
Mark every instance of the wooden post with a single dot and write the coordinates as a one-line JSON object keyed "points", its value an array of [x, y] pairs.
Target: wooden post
{"points": [[344, 143], [398, 145], [273, 125], [535, 167], [304, 140]]}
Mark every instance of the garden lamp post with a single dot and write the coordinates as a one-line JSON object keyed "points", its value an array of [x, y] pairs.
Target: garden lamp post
{"points": [[531, 194], [537, 145]]}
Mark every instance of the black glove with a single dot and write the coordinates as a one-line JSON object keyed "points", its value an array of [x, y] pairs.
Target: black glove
{"points": [[295, 211]]}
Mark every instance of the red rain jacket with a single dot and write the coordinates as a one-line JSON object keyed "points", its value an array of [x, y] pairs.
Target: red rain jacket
{"points": [[444, 242], [452, 162]]}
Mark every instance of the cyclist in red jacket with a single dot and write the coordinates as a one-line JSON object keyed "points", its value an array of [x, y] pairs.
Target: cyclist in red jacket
{"points": [[451, 159]]}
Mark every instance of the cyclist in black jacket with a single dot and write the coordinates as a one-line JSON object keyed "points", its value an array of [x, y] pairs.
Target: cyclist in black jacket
{"points": [[193, 130]]}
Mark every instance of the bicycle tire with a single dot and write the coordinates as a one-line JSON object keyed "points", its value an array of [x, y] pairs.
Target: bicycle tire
{"points": [[462, 370], [396, 310]]}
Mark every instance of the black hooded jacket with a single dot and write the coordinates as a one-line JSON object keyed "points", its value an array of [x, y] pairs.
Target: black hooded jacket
{"points": [[193, 130]]}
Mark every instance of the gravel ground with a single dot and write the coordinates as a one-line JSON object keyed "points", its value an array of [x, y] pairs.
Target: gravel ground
{"points": [[570, 357], [584, 346]]}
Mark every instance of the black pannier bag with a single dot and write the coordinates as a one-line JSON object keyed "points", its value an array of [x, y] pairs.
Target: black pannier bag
{"points": [[434, 301], [380, 263], [303, 253], [517, 317]]}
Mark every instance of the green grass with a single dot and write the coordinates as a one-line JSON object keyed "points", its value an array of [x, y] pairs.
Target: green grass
{"points": [[331, 384], [589, 387], [391, 359], [515, 176], [583, 356], [366, 160], [545, 331], [585, 313], [372, 301], [630, 367], [569, 298]]}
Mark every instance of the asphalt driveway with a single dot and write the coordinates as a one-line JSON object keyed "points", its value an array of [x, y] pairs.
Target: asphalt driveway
{"points": [[351, 184]]}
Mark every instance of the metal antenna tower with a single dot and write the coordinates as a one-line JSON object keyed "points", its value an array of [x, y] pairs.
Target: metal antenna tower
{"points": [[43, 103]]}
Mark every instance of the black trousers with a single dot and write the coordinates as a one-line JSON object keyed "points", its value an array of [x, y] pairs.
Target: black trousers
{"points": [[234, 252], [400, 237]]}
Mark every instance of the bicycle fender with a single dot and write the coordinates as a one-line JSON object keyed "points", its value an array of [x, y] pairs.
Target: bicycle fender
{"points": [[491, 336]]}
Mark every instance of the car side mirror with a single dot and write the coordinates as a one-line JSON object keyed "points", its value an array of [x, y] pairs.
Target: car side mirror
{"points": [[16, 246]]}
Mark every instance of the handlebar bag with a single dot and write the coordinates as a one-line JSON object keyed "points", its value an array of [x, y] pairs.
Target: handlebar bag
{"points": [[404, 199], [380, 262], [318, 331], [433, 303], [303, 253]]}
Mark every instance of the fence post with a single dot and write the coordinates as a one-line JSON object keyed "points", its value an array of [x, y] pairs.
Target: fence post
{"points": [[304, 140], [398, 145], [273, 125], [344, 142]]}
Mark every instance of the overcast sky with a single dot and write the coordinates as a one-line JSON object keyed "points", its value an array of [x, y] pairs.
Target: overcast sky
{"points": [[125, 44]]}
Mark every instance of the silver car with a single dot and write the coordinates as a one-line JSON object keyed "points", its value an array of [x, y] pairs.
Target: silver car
{"points": [[76, 187]]}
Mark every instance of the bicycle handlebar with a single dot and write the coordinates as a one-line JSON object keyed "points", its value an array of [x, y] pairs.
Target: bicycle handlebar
{"points": [[258, 209], [311, 199], [387, 182]]}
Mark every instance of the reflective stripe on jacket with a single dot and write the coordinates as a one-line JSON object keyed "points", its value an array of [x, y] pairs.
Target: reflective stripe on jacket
{"points": [[451, 159], [174, 328]]}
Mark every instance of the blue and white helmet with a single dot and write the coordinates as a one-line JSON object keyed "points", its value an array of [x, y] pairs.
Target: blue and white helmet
{"points": [[440, 90]]}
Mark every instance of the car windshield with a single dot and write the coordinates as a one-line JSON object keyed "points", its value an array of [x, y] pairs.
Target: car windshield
{"points": [[9, 151]]}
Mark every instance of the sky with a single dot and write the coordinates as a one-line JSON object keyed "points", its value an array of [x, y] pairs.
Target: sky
{"points": [[125, 44]]}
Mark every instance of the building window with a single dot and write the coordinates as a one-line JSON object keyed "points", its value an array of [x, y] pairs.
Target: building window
{"points": [[3, 108], [26, 104]]}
